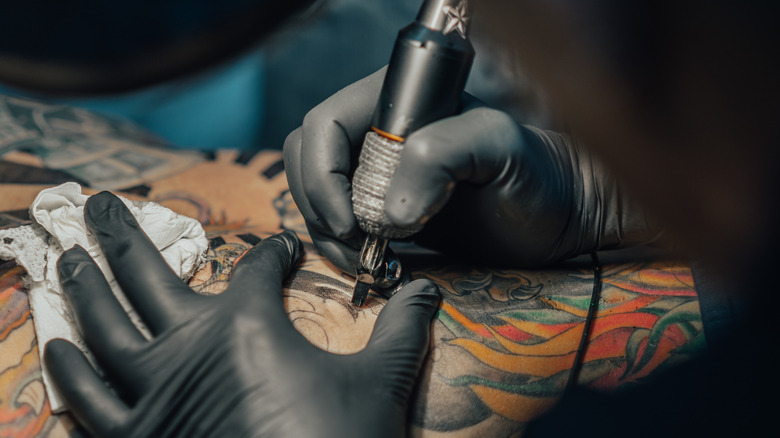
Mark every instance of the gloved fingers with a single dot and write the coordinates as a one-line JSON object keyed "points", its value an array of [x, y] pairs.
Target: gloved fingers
{"points": [[292, 168], [343, 254], [150, 284], [87, 397], [292, 163], [473, 147], [333, 248], [401, 335], [107, 329], [331, 135], [263, 268]]}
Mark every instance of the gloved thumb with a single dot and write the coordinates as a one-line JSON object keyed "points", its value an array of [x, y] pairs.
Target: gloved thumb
{"points": [[401, 336]]}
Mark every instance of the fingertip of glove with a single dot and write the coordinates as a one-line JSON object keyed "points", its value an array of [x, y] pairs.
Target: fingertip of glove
{"points": [[105, 209], [100, 202], [56, 343], [408, 206], [428, 287], [74, 253], [405, 320], [71, 259], [289, 239], [422, 289], [403, 213], [55, 349]]}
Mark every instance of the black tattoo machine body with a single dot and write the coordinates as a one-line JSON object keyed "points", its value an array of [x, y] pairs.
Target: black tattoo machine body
{"points": [[424, 82]]}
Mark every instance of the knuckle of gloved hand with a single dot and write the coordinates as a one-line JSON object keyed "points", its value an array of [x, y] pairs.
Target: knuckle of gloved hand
{"points": [[491, 119], [493, 114], [291, 143], [318, 117], [425, 151]]}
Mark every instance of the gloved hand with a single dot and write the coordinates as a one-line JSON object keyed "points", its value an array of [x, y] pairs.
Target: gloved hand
{"points": [[226, 365], [489, 189]]}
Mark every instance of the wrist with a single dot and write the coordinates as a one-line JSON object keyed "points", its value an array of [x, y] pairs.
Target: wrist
{"points": [[603, 215]]}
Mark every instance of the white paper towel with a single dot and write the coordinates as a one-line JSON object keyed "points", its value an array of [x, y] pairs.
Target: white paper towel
{"points": [[58, 215]]}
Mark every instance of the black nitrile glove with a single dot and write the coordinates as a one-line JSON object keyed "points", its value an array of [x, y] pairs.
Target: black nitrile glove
{"points": [[488, 188], [228, 365]]}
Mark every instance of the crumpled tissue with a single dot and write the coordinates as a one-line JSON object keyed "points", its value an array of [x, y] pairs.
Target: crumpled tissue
{"points": [[58, 216]]}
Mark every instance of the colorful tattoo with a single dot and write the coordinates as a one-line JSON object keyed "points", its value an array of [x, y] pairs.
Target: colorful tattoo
{"points": [[523, 329], [503, 343]]}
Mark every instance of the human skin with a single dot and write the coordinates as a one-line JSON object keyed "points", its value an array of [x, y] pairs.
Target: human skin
{"points": [[490, 367], [503, 342]]}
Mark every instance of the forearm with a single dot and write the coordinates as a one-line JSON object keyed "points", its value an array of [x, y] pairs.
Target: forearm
{"points": [[504, 342]]}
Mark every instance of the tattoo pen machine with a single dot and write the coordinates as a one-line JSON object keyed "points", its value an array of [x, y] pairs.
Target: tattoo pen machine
{"points": [[425, 79]]}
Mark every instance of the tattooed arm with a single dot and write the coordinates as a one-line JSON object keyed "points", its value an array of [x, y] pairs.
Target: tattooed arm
{"points": [[503, 343]]}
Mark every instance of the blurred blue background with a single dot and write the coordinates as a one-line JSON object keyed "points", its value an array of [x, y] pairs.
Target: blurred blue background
{"points": [[254, 101]]}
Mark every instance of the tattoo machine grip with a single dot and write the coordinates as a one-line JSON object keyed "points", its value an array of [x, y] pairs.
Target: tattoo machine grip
{"points": [[424, 82], [378, 160]]}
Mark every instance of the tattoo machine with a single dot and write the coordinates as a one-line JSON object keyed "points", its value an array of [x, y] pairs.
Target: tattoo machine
{"points": [[425, 79]]}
